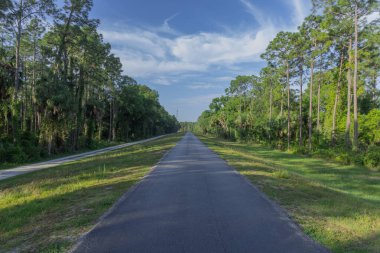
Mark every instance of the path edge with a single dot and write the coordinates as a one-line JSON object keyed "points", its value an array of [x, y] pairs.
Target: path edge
{"points": [[123, 197], [279, 209], [23, 169]]}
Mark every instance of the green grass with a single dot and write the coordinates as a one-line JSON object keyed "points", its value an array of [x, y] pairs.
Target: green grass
{"points": [[96, 145], [48, 210], [337, 205]]}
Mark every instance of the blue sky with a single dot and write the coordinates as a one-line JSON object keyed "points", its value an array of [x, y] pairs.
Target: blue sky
{"points": [[189, 50]]}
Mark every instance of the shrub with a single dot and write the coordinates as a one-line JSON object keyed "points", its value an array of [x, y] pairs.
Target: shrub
{"points": [[324, 153], [370, 127], [343, 158], [13, 153], [2, 153], [30, 147], [372, 157]]}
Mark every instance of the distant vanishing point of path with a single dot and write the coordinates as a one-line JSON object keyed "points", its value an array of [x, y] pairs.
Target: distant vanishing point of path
{"points": [[194, 202]]}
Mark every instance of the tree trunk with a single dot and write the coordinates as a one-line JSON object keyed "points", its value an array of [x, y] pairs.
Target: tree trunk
{"points": [[100, 128], [17, 56], [349, 80], [300, 111], [79, 117], [282, 103], [15, 121], [110, 124], [311, 103], [270, 113], [356, 123], [34, 115], [50, 142], [288, 87], [62, 46], [319, 103], [337, 95], [113, 121], [270, 103], [24, 102]]}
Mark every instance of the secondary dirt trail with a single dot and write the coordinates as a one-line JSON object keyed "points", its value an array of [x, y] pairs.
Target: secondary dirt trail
{"points": [[194, 202]]}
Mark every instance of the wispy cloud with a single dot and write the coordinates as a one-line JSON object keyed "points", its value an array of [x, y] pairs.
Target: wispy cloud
{"points": [[198, 65], [165, 28], [255, 12], [373, 16], [146, 53], [161, 50], [162, 81], [224, 78], [300, 9], [203, 86]]}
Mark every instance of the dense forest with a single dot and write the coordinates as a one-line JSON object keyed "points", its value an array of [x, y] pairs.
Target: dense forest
{"points": [[61, 88], [319, 92]]}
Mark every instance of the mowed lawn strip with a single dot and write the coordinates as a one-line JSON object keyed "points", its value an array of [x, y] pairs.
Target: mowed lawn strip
{"points": [[48, 210], [100, 145], [337, 205]]}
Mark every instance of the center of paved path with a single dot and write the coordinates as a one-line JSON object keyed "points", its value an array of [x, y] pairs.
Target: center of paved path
{"points": [[194, 202]]}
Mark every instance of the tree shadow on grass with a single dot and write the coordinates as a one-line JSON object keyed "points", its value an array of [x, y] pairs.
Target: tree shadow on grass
{"points": [[48, 209], [331, 202], [354, 180], [336, 219]]}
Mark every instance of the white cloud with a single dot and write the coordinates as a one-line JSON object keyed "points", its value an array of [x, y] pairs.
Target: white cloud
{"points": [[225, 78], [373, 16], [145, 53], [165, 28], [162, 81], [202, 86], [301, 9], [138, 41], [213, 48], [255, 12], [162, 51]]}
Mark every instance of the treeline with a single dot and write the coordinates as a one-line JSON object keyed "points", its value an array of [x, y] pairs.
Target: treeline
{"points": [[319, 92], [61, 88], [187, 126]]}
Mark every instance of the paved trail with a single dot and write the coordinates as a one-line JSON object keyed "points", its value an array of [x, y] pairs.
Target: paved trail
{"points": [[4, 174], [194, 202]]}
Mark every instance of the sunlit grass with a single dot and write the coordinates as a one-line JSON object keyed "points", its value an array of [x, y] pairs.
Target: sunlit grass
{"points": [[47, 211], [337, 205], [97, 145]]}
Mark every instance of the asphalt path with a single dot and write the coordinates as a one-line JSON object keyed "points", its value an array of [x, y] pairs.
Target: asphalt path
{"points": [[8, 173], [194, 202]]}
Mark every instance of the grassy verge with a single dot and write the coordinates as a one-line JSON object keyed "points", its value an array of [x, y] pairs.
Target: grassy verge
{"points": [[337, 205], [97, 145], [48, 210]]}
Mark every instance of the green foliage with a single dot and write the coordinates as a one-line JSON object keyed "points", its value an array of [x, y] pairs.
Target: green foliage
{"points": [[372, 157], [189, 127], [370, 127], [73, 93], [24, 149], [320, 119], [12, 153]]}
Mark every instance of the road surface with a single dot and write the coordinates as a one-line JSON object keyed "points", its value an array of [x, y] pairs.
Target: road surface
{"points": [[4, 174], [194, 202]]}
